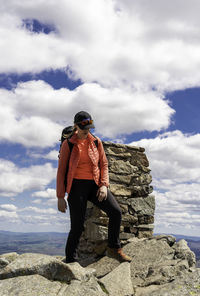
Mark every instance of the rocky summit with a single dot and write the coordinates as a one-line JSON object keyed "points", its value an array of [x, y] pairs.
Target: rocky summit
{"points": [[160, 267]]}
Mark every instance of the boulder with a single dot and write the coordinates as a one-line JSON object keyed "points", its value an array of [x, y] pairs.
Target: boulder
{"points": [[118, 282], [5, 259], [46, 266], [186, 284], [30, 285], [88, 288]]}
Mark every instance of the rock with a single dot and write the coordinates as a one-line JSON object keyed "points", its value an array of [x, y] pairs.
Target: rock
{"points": [[160, 266], [186, 284], [142, 206], [122, 167], [30, 285], [3, 262], [139, 158], [145, 219], [129, 218], [120, 179], [118, 189], [141, 190], [5, 259], [118, 282], [168, 238], [119, 146], [95, 232], [145, 226], [182, 251], [143, 179], [149, 256], [46, 266], [89, 288], [125, 235], [144, 233], [104, 266]]}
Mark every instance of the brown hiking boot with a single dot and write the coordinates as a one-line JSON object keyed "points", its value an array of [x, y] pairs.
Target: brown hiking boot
{"points": [[118, 254]]}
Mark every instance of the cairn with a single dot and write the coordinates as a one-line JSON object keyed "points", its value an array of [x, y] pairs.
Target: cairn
{"points": [[130, 180]]}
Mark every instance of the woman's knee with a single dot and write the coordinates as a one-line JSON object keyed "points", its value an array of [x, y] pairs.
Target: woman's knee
{"points": [[77, 226], [115, 212]]}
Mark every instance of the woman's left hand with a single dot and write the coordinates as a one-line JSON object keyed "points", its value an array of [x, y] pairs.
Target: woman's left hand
{"points": [[102, 193]]}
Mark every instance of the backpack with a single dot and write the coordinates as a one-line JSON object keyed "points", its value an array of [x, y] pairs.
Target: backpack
{"points": [[66, 133]]}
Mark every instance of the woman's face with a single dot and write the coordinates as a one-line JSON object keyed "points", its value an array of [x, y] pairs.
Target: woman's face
{"points": [[82, 134]]}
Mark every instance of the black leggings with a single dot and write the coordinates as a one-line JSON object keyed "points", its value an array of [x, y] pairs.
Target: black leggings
{"points": [[81, 192]]}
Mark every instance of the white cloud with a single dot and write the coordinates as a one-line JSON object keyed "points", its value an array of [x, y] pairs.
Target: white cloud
{"points": [[52, 155], [14, 180], [19, 126], [48, 193], [8, 216], [37, 201], [38, 210], [115, 43], [34, 114], [9, 207], [174, 157]]}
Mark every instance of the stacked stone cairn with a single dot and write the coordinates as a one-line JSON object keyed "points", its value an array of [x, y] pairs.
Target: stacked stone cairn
{"points": [[130, 179]]}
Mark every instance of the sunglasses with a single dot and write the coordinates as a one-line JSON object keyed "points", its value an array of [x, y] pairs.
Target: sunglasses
{"points": [[86, 121]]}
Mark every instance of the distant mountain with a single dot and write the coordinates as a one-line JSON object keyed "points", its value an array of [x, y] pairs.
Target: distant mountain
{"points": [[50, 243], [53, 243]]}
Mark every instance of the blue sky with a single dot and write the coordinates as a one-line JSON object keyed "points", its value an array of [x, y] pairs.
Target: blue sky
{"points": [[133, 66]]}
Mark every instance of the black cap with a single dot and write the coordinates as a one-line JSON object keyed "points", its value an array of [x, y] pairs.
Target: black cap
{"points": [[82, 117]]}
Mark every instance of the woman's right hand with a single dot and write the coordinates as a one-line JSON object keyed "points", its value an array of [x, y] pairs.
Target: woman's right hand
{"points": [[62, 205]]}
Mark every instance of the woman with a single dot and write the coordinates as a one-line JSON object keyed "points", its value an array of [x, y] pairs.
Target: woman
{"points": [[86, 179]]}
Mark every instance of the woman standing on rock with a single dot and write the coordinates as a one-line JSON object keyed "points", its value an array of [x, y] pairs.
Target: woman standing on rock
{"points": [[82, 156]]}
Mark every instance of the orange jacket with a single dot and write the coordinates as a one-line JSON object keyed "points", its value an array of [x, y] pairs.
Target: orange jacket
{"points": [[97, 156]]}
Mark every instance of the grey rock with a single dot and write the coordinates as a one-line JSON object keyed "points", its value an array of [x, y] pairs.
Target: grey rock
{"points": [[30, 285], [145, 226], [159, 267], [3, 262], [47, 266], [186, 284], [125, 235], [141, 190], [119, 146], [122, 167], [149, 259], [104, 265], [142, 206], [168, 238], [6, 258], [120, 190], [182, 251], [139, 158], [89, 288], [118, 282], [120, 179], [143, 179], [95, 232]]}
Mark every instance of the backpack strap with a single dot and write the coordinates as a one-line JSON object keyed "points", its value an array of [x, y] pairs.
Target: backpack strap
{"points": [[70, 144], [95, 141]]}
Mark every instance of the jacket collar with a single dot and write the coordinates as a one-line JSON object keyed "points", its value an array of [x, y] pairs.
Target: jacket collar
{"points": [[74, 138]]}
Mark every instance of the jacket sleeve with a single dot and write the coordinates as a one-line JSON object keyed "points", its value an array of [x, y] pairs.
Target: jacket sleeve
{"points": [[62, 166], [104, 176]]}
